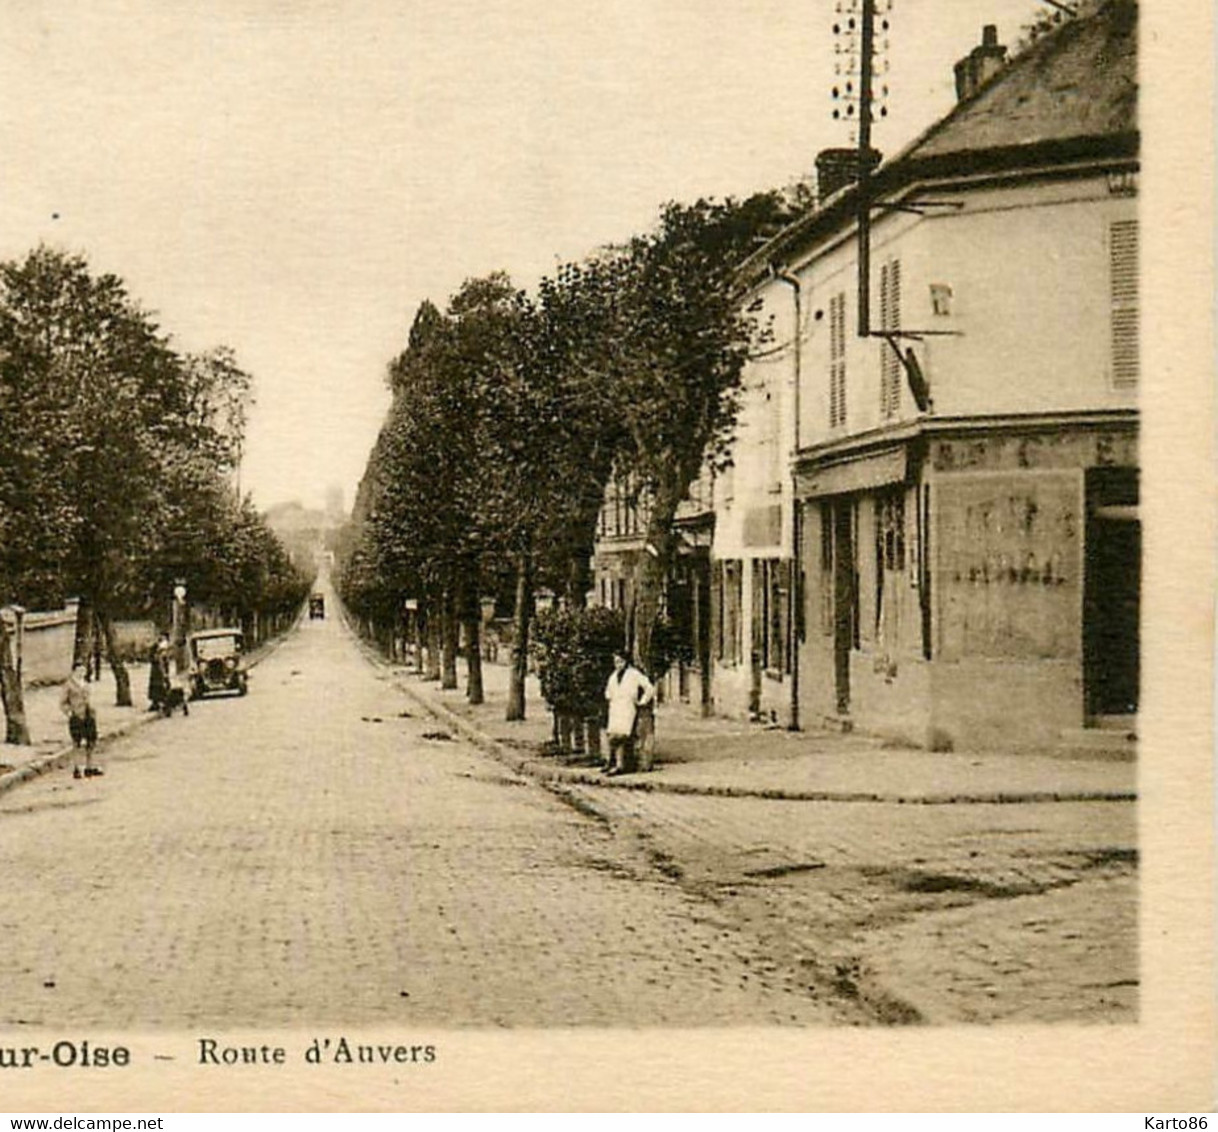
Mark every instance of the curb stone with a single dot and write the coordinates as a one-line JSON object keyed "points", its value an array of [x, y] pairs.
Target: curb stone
{"points": [[548, 775]]}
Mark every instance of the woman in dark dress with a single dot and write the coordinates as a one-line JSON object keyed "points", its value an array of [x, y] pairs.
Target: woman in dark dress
{"points": [[158, 675]]}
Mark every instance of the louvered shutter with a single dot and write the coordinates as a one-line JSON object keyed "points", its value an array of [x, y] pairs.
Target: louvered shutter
{"points": [[837, 360], [1123, 275], [890, 319]]}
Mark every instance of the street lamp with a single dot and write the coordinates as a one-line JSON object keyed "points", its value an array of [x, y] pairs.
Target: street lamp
{"points": [[179, 624]]}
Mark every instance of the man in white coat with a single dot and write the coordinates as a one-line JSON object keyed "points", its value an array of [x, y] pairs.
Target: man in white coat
{"points": [[627, 690]]}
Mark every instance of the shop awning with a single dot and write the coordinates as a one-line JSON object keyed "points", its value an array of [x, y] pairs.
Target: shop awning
{"points": [[852, 474]]}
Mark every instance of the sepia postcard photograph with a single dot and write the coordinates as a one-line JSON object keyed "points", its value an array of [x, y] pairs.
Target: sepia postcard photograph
{"points": [[647, 556]]}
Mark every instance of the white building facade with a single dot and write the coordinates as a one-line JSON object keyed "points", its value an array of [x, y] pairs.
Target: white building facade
{"points": [[964, 571]]}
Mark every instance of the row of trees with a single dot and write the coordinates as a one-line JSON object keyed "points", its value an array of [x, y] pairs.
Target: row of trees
{"points": [[116, 454], [512, 411]]}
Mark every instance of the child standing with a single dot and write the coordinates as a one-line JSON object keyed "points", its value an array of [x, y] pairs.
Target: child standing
{"points": [[82, 723]]}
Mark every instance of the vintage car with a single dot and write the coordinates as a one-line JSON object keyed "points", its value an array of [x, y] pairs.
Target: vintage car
{"points": [[317, 607], [217, 662]]}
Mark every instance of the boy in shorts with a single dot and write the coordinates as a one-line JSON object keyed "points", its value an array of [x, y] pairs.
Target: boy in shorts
{"points": [[82, 723]]}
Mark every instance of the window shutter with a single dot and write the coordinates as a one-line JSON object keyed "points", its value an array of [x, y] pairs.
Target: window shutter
{"points": [[837, 360], [890, 319], [1123, 275]]}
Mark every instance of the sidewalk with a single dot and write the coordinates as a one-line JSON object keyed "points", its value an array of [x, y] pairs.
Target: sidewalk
{"points": [[50, 747], [713, 756], [695, 755]]}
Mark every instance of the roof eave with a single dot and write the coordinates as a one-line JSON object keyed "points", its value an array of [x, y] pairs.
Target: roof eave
{"points": [[841, 210]]}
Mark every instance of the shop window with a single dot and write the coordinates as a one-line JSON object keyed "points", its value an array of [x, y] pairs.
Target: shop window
{"points": [[890, 523], [889, 567]]}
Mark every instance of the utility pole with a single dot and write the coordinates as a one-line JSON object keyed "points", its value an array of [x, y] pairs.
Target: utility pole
{"points": [[866, 71], [856, 70], [864, 57]]}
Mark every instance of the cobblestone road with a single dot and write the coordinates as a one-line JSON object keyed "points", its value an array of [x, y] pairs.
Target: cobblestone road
{"points": [[321, 850], [309, 854], [932, 913]]}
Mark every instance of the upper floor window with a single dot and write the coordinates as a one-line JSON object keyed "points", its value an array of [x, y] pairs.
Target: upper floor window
{"points": [[837, 360], [1123, 283], [890, 319]]}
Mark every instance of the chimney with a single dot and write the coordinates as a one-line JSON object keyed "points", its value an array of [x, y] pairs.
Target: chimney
{"points": [[837, 168], [980, 64]]}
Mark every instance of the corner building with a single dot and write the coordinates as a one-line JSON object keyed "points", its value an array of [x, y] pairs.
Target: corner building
{"points": [[935, 535]]}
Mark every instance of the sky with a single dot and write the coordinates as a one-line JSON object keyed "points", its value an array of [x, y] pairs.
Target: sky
{"points": [[291, 178]]}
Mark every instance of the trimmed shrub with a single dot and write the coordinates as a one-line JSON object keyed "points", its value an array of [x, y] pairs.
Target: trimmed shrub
{"points": [[573, 651]]}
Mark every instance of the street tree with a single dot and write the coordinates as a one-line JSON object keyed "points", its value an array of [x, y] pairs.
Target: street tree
{"points": [[106, 381], [115, 453], [552, 448], [511, 414], [673, 370]]}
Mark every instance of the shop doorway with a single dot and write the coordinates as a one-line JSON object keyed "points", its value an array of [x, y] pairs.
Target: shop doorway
{"points": [[845, 596], [1112, 594]]}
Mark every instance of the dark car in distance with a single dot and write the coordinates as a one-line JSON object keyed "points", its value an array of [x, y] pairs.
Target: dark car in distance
{"points": [[317, 607]]}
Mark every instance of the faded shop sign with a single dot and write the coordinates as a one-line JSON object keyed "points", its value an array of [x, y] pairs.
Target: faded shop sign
{"points": [[1009, 566]]}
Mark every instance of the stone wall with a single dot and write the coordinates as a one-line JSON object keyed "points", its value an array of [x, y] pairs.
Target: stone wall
{"points": [[45, 642]]}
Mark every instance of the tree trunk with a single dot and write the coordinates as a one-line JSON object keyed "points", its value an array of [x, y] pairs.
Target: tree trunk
{"points": [[471, 617], [469, 613], [473, 660], [420, 639], [448, 660], [522, 614], [651, 573], [16, 729], [94, 663], [645, 738], [579, 579], [83, 638], [122, 679], [583, 539], [593, 725], [434, 619]]}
